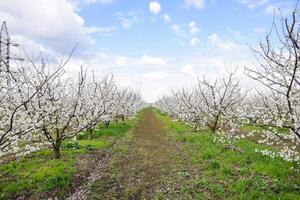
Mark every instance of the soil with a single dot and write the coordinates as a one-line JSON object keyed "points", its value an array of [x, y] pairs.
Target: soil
{"points": [[149, 165]]}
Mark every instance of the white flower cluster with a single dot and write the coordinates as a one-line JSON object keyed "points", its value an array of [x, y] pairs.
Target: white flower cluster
{"points": [[40, 105], [209, 104], [285, 154], [274, 110]]}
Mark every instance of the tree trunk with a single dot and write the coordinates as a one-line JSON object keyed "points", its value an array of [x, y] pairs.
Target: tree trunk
{"points": [[195, 128], [122, 118], [106, 124], [56, 145], [215, 124], [56, 150], [90, 134]]}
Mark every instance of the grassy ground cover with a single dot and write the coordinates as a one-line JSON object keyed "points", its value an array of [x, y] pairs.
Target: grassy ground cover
{"points": [[39, 175], [154, 157], [233, 175]]}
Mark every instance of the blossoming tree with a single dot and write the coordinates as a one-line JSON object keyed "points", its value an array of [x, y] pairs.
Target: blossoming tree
{"points": [[278, 105]]}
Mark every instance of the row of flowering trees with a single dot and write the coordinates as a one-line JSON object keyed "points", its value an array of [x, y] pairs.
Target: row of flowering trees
{"points": [[274, 110], [212, 104], [41, 105]]}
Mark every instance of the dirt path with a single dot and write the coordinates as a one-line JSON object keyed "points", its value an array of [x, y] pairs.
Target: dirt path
{"points": [[149, 165]]}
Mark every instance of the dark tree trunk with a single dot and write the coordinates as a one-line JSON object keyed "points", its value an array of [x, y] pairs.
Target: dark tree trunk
{"points": [[56, 145], [195, 128], [106, 124], [56, 150], [90, 134], [215, 124]]}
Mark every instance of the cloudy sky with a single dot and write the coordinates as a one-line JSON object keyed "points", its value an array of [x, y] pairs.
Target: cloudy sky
{"points": [[148, 45]]}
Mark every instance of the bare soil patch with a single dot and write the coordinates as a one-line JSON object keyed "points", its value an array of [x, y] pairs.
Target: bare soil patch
{"points": [[152, 164]]}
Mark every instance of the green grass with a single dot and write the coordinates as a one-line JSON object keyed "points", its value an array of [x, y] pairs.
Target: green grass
{"points": [[249, 128], [39, 172], [36, 173], [96, 143], [229, 174], [114, 130]]}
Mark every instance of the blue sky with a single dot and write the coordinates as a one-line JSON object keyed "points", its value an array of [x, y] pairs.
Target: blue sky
{"points": [[150, 33], [149, 45]]}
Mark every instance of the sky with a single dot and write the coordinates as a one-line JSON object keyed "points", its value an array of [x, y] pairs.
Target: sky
{"points": [[150, 45]]}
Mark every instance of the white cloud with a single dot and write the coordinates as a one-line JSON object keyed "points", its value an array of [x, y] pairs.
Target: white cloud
{"points": [[226, 45], [105, 1], [167, 19], [122, 60], [260, 30], [128, 19], [284, 8], [52, 23], [148, 60], [88, 2], [189, 70], [160, 75], [194, 41], [109, 30], [126, 23], [142, 61], [176, 28], [154, 7], [269, 6], [79, 4], [102, 56], [32, 48], [156, 80], [199, 4], [251, 4], [193, 27], [271, 9], [237, 34]]}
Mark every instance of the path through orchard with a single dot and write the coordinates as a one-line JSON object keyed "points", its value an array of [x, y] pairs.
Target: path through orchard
{"points": [[150, 164]]}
